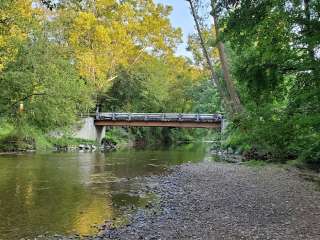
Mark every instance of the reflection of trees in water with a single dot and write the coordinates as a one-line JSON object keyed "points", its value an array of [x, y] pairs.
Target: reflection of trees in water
{"points": [[42, 193], [68, 192], [95, 211], [131, 163]]}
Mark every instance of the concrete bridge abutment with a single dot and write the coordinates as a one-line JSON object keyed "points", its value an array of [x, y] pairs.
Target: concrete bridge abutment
{"points": [[89, 131]]}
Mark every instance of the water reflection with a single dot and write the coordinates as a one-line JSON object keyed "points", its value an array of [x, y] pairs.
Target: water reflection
{"points": [[68, 192]]}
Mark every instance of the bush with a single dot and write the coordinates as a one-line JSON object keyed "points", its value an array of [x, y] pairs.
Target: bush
{"points": [[21, 137], [277, 136], [311, 155], [116, 136]]}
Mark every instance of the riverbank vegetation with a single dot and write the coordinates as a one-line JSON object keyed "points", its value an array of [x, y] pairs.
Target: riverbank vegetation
{"points": [[273, 51], [257, 62]]}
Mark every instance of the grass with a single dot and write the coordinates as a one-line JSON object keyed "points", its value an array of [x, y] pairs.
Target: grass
{"points": [[5, 130], [26, 137], [256, 163]]}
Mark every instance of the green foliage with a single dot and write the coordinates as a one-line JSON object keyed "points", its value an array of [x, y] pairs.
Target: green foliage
{"points": [[16, 19], [276, 136], [22, 137], [118, 136], [5, 129], [255, 163], [205, 98], [153, 86], [138, 90], [40, 91], [104, 34], [277, 70], [46, 83]]}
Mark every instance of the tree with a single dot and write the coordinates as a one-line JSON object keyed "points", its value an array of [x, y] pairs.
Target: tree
{"points": [[46, 83], [156, 85], [105, 34], [229, 82], [229, 95], [15, 19], [277, 69]]}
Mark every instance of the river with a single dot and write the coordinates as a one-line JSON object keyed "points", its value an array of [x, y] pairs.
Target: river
{"points": [[67, 193]]}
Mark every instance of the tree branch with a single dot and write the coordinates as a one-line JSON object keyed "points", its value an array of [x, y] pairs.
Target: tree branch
{"points": [[27, 97]]}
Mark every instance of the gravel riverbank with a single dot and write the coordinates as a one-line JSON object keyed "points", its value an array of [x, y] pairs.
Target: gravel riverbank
{"points": [[212, 200], [226, 201]]}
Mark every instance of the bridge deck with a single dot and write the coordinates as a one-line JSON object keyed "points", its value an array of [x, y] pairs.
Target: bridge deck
{"points": [[159, 120]]}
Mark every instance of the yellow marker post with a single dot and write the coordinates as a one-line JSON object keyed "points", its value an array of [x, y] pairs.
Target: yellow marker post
{"points": [[21, 107]]}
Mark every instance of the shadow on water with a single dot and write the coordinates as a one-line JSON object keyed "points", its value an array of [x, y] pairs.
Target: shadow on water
{"points": [[67, 193]]}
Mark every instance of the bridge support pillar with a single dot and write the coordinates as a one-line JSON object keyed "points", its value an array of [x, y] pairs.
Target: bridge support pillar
{"points": [[89, 131], [224, 125], [101, 131]]}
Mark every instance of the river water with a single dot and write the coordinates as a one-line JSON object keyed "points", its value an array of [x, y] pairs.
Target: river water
{"points": [[67, 193]]}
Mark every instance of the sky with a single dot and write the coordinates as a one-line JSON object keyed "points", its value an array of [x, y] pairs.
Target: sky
{"points": [[181, 17]]}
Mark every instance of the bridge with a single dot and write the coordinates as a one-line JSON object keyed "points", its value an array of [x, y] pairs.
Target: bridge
{"points": [[177, 120], [94, 126]]}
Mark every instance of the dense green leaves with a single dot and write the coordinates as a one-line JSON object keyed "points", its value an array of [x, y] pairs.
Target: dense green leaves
{"points": [[104, 34], [46, 83], [275, 60], [16, 19], [157, 85]]}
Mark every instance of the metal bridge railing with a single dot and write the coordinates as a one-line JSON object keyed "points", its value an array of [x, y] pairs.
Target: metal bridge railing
{"points": [[166, 117]]}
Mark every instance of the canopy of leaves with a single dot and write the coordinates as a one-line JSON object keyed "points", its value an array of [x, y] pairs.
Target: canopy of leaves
{"points": [[105, 34], [46, 83], [275, 60], [16, 18], [157, 85]]}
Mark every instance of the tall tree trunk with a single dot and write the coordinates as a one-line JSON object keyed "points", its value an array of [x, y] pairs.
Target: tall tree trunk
{"points": [[307, 29], [214, 77], [236, 103]]}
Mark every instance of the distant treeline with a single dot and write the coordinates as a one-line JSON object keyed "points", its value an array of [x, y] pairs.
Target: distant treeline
{"points": [[62, 58]]}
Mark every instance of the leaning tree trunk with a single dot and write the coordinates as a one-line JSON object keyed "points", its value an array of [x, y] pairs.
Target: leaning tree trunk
{"points": [[230, 98], [236, 103], [214, 77]]}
